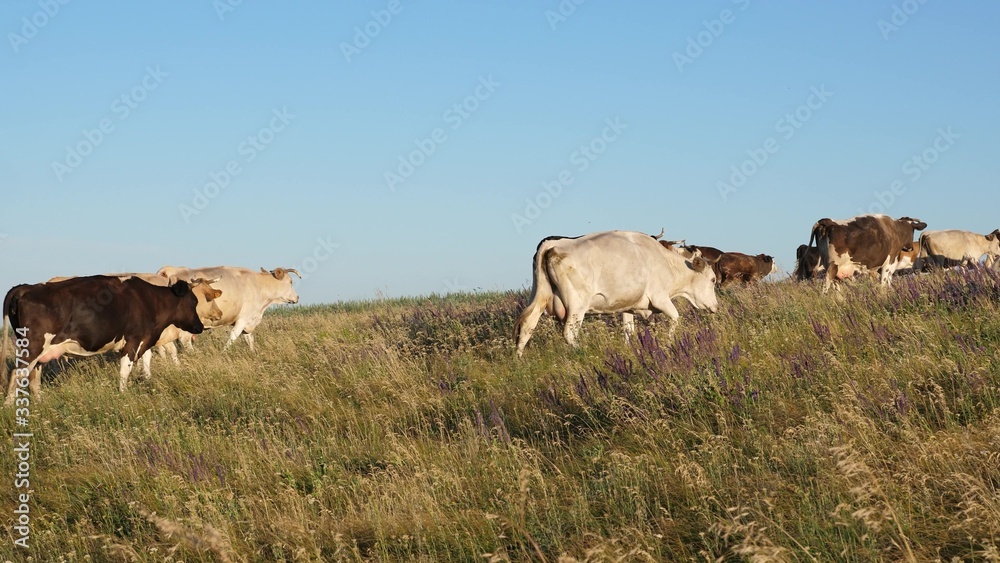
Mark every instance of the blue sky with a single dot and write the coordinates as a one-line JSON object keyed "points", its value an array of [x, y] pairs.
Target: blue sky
{"points": [[313, 105]]}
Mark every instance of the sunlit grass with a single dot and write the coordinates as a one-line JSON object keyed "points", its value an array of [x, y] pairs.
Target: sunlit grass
{"points": [[790, 426]]}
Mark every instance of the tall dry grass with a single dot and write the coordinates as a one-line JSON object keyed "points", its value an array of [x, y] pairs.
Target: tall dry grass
{"points": [[790, 426]]}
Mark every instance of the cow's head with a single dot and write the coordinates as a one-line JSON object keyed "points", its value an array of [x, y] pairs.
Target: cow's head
{"points": [[993, 240], [676, 246], [286, 294], [917, 224], [186, 314], [766, 265], [208, 309], [700, 291]]}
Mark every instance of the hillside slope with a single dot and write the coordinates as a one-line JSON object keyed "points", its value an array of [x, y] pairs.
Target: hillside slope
{"points": [[789, 426]]}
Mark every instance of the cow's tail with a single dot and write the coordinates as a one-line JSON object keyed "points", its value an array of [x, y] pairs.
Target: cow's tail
{"points": [[922, 254], [8, 302], [541, 289]]}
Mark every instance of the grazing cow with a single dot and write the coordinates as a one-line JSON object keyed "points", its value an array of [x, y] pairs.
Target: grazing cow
{"points": [[808, 263], [736, 266], [953, 247], [861, 244], [709, 253], [92, 315], [208, 311], [611, 272], [245, 295]]}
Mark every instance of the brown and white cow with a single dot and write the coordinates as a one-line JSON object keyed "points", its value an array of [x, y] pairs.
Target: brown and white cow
{"points": [[954, 247], [862, 244], [208, 311], [611, 272], [738, 267], [245, 295], [91, 315]]}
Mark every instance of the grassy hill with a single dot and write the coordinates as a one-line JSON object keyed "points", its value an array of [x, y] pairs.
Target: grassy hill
{"points": [[789, 426]]}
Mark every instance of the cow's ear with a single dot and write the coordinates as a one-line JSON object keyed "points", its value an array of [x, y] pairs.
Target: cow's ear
{"points": [[217, 293], [907, 248], [991, 236], [263, 271], [698, 264], [180, 288], [279, 273]]}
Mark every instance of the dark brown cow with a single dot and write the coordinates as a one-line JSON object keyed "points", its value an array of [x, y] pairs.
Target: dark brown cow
{"points": [[808, 263], [861, 244], [709, 253], [738, 267], [92, 315]]}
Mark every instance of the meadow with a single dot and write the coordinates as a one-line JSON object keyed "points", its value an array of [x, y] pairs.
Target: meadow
{"points": [[789, 426]]}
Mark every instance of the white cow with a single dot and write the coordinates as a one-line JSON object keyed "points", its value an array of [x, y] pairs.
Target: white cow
{"points": [[945, 248], [245, 295], [611, 272]]}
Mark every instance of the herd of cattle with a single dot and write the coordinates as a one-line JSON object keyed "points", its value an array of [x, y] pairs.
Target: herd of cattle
{"points": [[131, 314], [608, 272], [631, 272]]}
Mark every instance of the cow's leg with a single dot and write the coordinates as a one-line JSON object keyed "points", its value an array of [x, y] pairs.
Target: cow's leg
{"points": [[234, 334], [574, 320], [34, 370], [831, 274], [186, 340], [171, 349], [249, 338], [146, 357], [667, 307], [35, 382], [628, 325], [124, 372]]}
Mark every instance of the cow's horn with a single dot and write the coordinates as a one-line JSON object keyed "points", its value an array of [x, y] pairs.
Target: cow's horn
{"points": [[659, 236], [294, 271]]}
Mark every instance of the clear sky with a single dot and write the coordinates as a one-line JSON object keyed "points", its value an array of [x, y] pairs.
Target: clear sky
{"points": [[393, 147]]}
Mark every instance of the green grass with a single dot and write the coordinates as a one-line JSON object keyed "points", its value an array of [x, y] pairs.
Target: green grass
{"points": [[789, 426]]}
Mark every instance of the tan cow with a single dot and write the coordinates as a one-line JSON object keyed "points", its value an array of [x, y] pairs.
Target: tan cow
{"points": [[954, 247], [245, 295], [611, 272]]}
